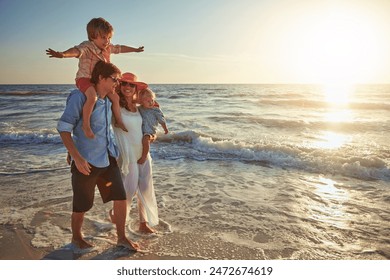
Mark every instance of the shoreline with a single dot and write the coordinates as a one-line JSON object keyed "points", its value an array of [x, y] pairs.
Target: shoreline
{"points": [[16, 243], [222, 212]]}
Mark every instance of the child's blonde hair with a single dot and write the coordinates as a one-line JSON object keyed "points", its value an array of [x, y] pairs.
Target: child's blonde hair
{"points": [[98, 26], [146, 92]]}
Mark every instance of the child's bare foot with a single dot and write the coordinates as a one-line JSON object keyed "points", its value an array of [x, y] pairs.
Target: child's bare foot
{"points": [[81, 243], [141, 160], [125, 242], [145, 228], [121, 126], [88, 132]]}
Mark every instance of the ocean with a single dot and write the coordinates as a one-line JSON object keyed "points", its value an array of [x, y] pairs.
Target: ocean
{"points": [[246, 172]]}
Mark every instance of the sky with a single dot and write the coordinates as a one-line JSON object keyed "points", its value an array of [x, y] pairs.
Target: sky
{"points": [[204, 41]]}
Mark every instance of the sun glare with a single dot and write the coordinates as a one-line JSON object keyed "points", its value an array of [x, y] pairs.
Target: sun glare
{"points": [[337, 115], [337, 94], [343, 48], [339, 43], [332, 211], [331, 140]]}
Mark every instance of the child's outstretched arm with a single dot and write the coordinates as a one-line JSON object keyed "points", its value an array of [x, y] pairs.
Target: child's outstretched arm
{"points": [[127, 49], [72, 52]]}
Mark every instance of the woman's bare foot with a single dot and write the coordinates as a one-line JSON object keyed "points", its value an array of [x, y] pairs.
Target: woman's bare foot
{"points": [[125, 242], [145, 228], [121, 126], [81, 243]]}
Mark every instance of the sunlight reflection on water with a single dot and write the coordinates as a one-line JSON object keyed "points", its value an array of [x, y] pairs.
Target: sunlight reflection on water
{"points": [[338, 94], [331, 140], [330, 208]]}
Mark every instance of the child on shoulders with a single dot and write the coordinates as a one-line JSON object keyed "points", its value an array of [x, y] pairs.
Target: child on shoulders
{"points": [[98, 47]]}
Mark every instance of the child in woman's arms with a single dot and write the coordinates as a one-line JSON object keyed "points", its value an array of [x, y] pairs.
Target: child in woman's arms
{"points": [[151, 117]]}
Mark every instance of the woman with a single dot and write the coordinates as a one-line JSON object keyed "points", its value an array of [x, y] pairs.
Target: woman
{"points": [[137, 178]]}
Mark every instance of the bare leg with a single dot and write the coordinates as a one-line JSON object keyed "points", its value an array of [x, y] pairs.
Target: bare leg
{"points": [[90, 93], [111, 214], [120, 209], [77, 236], [145, 148], [143, 225], [116, 110]]}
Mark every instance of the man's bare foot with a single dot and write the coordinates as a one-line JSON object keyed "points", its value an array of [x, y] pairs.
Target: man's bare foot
{"points": [[145, 228], [81, 243], [121, 126], [125, 242], [88, 132], [141, 160]]}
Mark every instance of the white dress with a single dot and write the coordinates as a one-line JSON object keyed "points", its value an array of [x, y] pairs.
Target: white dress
{"points": [[137, 178]]}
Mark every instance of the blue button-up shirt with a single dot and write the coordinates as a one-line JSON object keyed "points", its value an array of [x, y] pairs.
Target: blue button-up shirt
{"points": [[96, 150]]}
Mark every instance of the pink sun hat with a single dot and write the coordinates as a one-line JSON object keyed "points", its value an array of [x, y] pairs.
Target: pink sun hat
{"points": [[132, 79]]}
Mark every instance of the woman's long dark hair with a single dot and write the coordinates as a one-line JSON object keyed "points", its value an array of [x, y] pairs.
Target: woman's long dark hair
{"points": [[122, 98]]}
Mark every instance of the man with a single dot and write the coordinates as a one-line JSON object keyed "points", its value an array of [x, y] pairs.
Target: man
{"points": [[94, 160]]}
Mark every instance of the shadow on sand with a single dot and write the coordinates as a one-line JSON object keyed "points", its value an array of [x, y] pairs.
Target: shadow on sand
{"points": [[68, 252]]}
